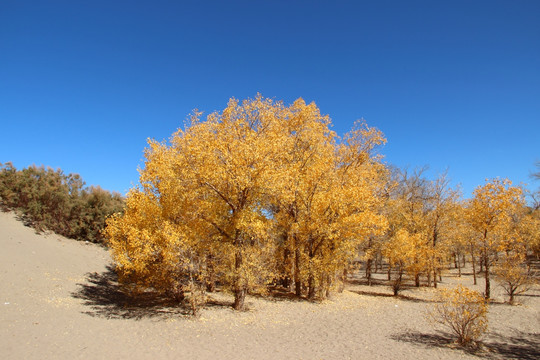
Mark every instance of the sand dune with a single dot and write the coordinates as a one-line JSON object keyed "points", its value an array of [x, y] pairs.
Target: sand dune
{"points": [[59, 299]]}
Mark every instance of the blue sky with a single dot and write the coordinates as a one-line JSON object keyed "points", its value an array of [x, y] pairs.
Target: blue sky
{"points": [[452, 84]]}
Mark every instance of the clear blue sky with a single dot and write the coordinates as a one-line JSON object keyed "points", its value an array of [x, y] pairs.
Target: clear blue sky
{"points": [[452, 84]]}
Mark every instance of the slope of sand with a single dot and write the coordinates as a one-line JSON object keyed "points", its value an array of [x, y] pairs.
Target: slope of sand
{"points": [[59, 299]]}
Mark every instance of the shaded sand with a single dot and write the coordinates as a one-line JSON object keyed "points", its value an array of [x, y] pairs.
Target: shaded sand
{"points": [[59, 299]]}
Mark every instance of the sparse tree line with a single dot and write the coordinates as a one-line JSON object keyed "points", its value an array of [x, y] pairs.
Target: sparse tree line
{"points": [[265, 195], [431, 229], [50, 200]]}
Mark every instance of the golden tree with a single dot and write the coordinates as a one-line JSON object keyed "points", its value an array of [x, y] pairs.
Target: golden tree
{"points": [[308, 164], [513, 275], [153, 244], [490, 216], [420, 215], [402, 252], [461, 239], [442, 204], [233, 195], [529, 230], [327, 200], [351, 211], [512, 270], [205, 192]]}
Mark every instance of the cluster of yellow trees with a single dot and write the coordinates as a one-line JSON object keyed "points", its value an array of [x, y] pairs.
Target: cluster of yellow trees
{"points": [[429, 225], [264, 193]]}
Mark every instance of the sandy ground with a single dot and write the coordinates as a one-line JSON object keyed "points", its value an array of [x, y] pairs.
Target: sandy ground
{"points": [[59, 299]]}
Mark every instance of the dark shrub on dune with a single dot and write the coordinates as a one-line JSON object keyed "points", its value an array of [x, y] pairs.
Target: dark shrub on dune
{"points": [[50, 200]]}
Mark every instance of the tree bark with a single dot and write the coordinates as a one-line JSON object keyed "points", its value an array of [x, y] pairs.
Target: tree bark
{"points": [[211, 280], [297, 282], [488, 285], [473, 264], [286, 280], [239, 298], [311, 287], [368, 271], [239, 288], [397, 283]]}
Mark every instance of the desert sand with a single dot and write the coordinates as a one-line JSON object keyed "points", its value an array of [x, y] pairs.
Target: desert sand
{"points": [[59, 300]]}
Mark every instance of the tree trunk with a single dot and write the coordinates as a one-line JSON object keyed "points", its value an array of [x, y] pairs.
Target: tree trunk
{"points": [[177, 293], [286, 280], [511, 293], [328, 284], [239, 287], [342, 281], [488, 285], [239, 298], [311, 287], [297, 282], [473, 264], [368, 271], [397, 283], [211, 285], [211, 279]]}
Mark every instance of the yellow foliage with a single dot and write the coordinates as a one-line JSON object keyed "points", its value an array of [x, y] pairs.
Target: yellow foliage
{"points": [[513, 274], [492, 215], [231, 192], [330, 200], [420, 213]]}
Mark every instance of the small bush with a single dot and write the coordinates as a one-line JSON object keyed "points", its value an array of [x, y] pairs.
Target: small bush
{"points": [[462, 311]]}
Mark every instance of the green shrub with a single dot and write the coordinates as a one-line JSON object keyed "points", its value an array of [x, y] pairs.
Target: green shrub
{"points": [[50, 200]]}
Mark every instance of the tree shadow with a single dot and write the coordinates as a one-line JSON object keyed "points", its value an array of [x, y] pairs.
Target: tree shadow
{"points": [[364, 282], [427, 340], [521, 345], [401, 297], [278, 293], [527, 295], [456, 275], [525, 346], [104, 298]]}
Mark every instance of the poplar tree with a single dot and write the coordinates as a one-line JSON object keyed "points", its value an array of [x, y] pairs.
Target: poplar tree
{"points": [[255, 193], [489, 214]]}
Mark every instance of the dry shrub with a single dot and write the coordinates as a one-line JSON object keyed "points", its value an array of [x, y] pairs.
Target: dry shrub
{"points": [[461, 310]]}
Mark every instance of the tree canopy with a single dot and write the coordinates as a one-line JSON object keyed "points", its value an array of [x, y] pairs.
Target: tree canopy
{"points": [[257, 193]]}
